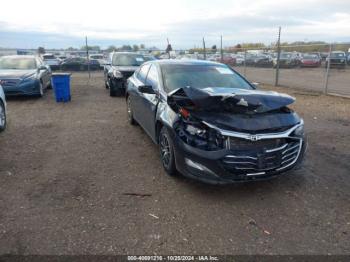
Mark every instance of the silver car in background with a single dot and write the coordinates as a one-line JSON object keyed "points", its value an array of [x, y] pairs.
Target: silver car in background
{"points": [[2, 110]]}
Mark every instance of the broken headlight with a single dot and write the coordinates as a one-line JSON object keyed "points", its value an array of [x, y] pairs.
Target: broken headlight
{"points": [[299, 131], [199, 135]]}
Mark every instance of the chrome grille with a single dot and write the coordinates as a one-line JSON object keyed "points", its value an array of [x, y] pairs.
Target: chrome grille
{"points": [[263, 157]]}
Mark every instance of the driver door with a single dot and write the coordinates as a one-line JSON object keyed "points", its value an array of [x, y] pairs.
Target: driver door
{"points": [[148, 102]]}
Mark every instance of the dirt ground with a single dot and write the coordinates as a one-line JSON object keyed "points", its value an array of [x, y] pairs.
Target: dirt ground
{"points": [[67, 172]]}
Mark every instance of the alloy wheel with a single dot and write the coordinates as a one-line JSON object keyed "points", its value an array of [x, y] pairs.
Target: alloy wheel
{"points": [[165, 150], [2, 117]]}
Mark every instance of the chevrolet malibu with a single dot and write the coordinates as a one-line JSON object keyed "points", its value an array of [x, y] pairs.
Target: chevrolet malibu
{"points": [[211, 124], [24, 75]]}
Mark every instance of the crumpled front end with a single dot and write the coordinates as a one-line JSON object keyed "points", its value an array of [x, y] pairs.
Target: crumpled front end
{"points": [[223, 154]]}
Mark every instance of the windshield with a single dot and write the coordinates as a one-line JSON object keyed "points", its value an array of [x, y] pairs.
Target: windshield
{"points": [[201, 76], [310, 57], [337, 55], [127, 60], [96, 56], [46, 57], [17, 63], [284, 55]]}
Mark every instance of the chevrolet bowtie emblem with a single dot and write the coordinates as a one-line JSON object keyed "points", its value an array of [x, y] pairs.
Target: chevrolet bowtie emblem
{"points": [[254, 137]]}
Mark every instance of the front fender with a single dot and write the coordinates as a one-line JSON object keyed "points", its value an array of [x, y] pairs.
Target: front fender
{"points": [[165, 116]]}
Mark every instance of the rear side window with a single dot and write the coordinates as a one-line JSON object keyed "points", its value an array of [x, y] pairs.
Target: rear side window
{"points": [[143, 72]]}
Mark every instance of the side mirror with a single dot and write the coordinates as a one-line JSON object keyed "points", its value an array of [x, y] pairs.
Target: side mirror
{"points": [[146, 89], [256, 84]]}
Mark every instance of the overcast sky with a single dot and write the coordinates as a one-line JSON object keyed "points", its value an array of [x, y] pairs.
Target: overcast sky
{"points": [[64, 23]]}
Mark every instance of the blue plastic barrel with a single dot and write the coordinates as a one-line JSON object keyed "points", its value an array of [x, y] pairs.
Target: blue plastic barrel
{"points": [[61, 86]]}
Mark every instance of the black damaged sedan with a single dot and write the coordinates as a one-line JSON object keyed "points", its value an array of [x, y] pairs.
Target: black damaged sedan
{"points": [[211, 124]]}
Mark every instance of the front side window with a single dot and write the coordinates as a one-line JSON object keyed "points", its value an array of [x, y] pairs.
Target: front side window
{"points": [[17, 63], [201, 76], [143, 73], [152, 77]]}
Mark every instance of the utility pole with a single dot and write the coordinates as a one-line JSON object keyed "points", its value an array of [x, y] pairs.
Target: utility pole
{"points": [[328, 61], [222, 52], [168, 47], [278, 56], [87, 56], [205, 52]]}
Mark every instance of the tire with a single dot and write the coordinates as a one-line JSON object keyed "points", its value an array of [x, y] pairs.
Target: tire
{"points": [[112, 91], [50, 84], [115, 90], [166, 152], [41, 89], [129, 112], [2, 117]]}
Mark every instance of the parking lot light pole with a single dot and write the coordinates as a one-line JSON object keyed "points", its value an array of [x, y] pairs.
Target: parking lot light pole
{"points": [[221, 51], [87, 56], [205, 53], [278, 56], [328, 67], [245, 65]]}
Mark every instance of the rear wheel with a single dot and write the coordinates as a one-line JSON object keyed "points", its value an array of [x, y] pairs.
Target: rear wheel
{"points": [[131, 119], [166, 150], [2, 117]]}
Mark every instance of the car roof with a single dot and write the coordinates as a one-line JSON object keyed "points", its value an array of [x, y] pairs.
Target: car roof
{"points": [[130, 53], [20, 56], [183, 62]]}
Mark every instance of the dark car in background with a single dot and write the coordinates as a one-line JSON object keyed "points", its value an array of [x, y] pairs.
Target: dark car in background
{"points": [[310, 60], [24, 75], [123, 65], [262, 60], [79, 64], [287, 60], [211, 124], [337, 59]]}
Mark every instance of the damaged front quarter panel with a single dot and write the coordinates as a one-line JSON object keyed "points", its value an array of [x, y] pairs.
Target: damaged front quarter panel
{"points": [[239, 110]]}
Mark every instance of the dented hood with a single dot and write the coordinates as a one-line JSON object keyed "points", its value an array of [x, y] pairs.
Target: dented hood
{"points": [[228, 100]]}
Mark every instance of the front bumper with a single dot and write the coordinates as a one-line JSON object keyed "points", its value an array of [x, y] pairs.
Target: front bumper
{"points": [[28, 88], [228, 166]]}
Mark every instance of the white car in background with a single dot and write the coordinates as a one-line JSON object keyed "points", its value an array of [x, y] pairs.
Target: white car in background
{"points": [[2, 110], [100, 58], [52, 61]]}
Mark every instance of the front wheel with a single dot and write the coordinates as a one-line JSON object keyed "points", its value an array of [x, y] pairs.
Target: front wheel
{"points": [[41, 89], [166, 150], [2, 117], [115, 89]]}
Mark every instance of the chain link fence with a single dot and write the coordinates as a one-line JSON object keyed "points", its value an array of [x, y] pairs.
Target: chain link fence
{"points": [[318, 67]]}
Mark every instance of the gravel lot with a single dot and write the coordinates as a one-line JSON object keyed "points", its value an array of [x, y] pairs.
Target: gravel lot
{"points": [[66, 171], [305, 78]]}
